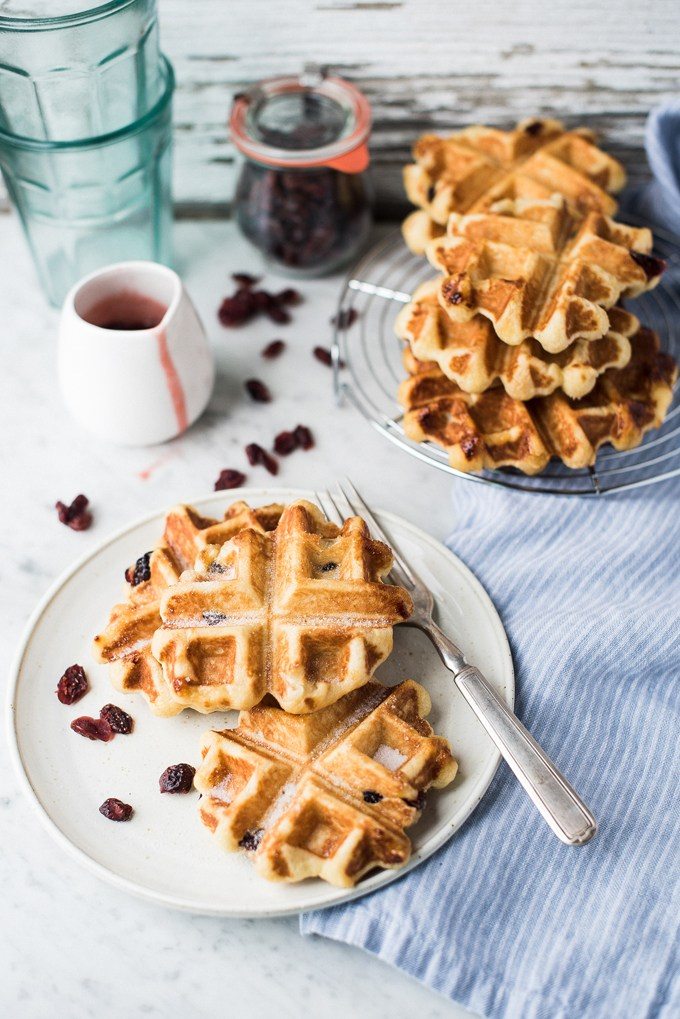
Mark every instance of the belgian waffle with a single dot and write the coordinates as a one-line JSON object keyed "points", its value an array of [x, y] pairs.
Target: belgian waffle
{"points": [[125, 643], [300, 613], [537, 270], [491, 429], [327, 794], [470, 354], [472, 169], [418, 229]]}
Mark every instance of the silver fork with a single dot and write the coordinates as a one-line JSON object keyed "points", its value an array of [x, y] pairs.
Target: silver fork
{"points": [[558, 803]]}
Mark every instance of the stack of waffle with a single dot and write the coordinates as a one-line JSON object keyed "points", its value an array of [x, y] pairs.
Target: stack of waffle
{"points": [[279, 613], [520, 350]]}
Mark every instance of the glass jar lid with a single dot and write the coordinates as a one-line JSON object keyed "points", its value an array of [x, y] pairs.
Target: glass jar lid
{"points": [[302, 121]]}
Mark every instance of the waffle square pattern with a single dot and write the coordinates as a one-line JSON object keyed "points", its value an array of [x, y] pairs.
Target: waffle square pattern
{"points": [[325, 795], [301, 613], [125, 643], [535, 269]]}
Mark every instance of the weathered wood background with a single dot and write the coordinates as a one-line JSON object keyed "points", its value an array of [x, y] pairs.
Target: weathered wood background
{"points": [[424, 64]]}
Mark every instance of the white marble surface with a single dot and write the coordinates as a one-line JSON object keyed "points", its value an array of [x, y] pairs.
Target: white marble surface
{"points": [[71, 946]]}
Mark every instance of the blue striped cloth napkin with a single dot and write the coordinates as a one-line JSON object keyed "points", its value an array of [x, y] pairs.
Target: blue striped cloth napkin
{"points": [[505, 919]]}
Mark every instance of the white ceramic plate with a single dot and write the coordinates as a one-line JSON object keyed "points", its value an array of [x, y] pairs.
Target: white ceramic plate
{"points": [[164, 853]]}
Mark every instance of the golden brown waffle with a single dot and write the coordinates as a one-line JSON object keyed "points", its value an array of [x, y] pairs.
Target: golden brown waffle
{"points": [[300, 613], [418, 229], [536, 270], [492, 429], [472, 169], [325, 795], [470, 354], [126, 641]]}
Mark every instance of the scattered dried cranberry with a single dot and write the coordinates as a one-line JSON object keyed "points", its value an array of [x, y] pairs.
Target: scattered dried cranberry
{"points": [[258, 391], [141, 571], [269, 304], [251, 840], [371, 796], [329, 567], [324, 355], [229, 479], [303, 437], [237, 309], [116, 810], [345, 318], [257, 455], [178, 778], [245, 280], [650, 265], [274, 349], [289, 296], [76, 516], [73, 685], [93, 728], [117, 719], [285, 443]]}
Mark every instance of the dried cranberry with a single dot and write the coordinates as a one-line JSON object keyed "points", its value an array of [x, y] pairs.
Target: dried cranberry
{"points": [[271, 307], [289, 296], [371, 796], [650, 265], [141, 571], [431, 192], [329, 567], [451, 292], [345, 318], [251, 840], [93, 728], [178, 778], [533, 128], [76, 516], [324, 355], [245, 280], [419, 801], [117, 719], [73, 685], [285, 443], [238, 309], [258, 391], [257, 455], [213, 618], [274, 349], [229, 479], [303, 437], [116, 810]]}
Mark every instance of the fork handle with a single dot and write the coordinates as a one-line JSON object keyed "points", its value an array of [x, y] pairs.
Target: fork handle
{"points": [[559, 804]]}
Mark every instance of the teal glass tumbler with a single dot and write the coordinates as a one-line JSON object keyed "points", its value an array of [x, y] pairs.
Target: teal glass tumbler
{"points": [[86, 203], [69, 74]]}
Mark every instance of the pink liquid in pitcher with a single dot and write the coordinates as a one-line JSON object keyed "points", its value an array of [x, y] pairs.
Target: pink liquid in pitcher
{"points": [[126, 310]]}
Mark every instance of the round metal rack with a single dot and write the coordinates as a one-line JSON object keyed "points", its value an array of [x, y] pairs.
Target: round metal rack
{"points": [[368, 369]]}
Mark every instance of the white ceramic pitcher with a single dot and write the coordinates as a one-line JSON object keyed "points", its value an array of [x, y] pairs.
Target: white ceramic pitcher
{"points": [[134, 385]]}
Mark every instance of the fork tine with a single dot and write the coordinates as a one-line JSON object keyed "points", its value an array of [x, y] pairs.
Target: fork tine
{"points": [[338, 517], [328, 507], [401, 570]]}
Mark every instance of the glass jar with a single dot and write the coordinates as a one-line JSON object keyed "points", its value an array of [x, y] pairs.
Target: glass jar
{"points": [[302, 197]]}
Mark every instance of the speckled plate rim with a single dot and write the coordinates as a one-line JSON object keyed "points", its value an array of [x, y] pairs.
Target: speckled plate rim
{"points": [[448, 827]]}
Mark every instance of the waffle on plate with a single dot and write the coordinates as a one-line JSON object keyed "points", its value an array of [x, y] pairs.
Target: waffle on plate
{"points": [[125, 643], [327, 794], [301, 613]]}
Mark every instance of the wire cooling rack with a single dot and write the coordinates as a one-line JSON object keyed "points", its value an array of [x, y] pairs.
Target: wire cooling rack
{"points": [[368, 369]]}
